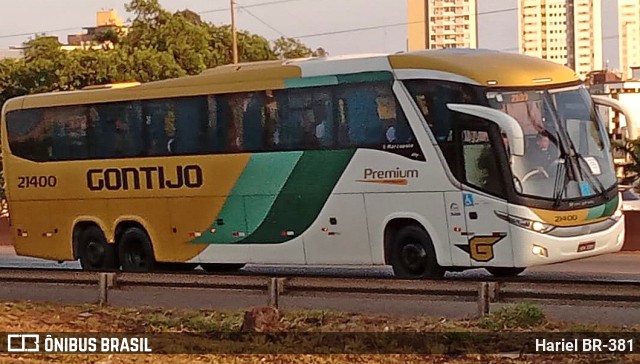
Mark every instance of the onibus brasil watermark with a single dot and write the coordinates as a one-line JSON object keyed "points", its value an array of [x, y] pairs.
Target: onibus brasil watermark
{"points": [[37, 343]]}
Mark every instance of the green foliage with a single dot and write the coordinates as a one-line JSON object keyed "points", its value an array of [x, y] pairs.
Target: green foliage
{"points": [[289, 48], [520, 316], [157, 46]]}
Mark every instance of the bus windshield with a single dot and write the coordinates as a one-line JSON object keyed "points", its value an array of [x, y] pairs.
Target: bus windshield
{"points": [[567, 155]]}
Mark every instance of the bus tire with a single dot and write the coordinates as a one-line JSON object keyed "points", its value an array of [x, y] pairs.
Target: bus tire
{"points": [[136, 252], [221, 268], [504, 272], [413, 256], [94, 251]]}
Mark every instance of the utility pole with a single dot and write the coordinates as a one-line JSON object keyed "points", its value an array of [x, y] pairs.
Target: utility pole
{"points": [[571, 34], [234, 35]]}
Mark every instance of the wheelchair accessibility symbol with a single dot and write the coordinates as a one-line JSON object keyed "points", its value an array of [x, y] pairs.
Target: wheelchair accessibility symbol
{"points": [[468, 199]]}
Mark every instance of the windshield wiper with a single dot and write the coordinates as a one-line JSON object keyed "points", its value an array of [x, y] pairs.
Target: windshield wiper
{"points": [[561, 178]]}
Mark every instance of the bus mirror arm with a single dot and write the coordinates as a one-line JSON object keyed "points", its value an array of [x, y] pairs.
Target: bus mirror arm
{"points": [[508, 124], [631, 118]]}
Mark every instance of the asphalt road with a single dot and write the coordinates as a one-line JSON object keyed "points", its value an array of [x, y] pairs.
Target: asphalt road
{"points": [[619, 266]]}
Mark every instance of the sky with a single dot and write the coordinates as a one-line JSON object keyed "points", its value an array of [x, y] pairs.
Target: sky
{"points": [[308, 20]]}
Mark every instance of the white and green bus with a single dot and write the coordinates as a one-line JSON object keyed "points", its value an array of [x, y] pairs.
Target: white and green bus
{"points": [[429, 162]]}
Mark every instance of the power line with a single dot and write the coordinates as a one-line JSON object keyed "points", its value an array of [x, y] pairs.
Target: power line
{"points": [[38, 32], [200, 12], [248, 6], [244, 8], [374, 27]]}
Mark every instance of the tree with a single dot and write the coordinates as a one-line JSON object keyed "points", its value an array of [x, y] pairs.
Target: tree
{"points": [[159, 45], [43, 57], [289, 48], [251, 47], [181, 35]]}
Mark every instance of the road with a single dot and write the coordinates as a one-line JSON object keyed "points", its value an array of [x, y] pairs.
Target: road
{"points": [[621, 266]]}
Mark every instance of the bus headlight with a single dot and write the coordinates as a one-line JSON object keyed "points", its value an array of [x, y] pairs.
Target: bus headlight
{"points": [[540, 251], [536, 226]]}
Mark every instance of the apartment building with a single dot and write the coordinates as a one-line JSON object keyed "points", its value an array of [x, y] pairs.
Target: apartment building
{"points": [[106, 20], [435, 24], [568, 32], [629, 35]]}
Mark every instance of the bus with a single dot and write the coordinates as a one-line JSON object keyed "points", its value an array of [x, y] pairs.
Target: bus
{"points": [[428, 162]]}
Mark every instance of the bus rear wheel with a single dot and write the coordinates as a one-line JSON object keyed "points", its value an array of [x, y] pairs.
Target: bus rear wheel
{"points": [[504, 272], [413, 256], [221, 268], [94, 251], [136, 252]]}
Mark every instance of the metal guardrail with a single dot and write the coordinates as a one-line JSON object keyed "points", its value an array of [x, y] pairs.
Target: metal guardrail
{"points": [[484, 293]]}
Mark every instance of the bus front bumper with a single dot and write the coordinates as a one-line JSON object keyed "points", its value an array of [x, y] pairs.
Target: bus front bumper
{"points": [[540, 249]]}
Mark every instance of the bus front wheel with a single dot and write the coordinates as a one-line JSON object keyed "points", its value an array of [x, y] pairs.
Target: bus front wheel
{"points": [[94, 251], [136, 252], [413, 255]]}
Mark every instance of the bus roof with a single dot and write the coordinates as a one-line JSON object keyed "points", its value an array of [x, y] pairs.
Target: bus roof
{"points": [[481, 67]]}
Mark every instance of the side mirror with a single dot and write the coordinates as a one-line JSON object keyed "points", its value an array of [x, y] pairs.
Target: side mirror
{"points": [[504, 121], [632, 125]]}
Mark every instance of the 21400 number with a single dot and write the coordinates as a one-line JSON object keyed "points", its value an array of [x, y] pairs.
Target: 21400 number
{"points": [[37, 181]]}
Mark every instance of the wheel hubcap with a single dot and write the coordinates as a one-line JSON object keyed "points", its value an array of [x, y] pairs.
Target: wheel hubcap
{"points": [[414, 257], [136, 256], [94, 253]]}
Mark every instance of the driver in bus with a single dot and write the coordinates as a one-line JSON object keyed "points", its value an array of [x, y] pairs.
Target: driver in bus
{"points": [[544, 154]]}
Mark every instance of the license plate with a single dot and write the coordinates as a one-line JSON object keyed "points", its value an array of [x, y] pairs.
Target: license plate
{"points": [[585, 247]]}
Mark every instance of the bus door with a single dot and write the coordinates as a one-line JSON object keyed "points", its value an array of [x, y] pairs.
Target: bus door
{"points": [[457, 224], [486, 239]]}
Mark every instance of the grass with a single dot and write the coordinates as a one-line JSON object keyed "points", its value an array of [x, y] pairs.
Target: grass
{"points": [[30, 317]]}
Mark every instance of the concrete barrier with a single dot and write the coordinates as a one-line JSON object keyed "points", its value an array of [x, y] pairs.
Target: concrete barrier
{"points": [[632, 231], [5, 233]]}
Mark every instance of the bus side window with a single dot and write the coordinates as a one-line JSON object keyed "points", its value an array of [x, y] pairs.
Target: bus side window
{"points": [[290, 107], [271, 122], [233, 108], [122, 121], [159, 120], [305, 119], [69, 132], [369, 115], [481, 169], [254, 122], [190, 117], [29, 134], [324, 123]]}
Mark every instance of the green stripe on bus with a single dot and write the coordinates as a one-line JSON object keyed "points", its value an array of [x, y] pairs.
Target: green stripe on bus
{"points": [[365, 77], [303, 196], [611, 207], [252, 197], [596, 212], [310, 81]]}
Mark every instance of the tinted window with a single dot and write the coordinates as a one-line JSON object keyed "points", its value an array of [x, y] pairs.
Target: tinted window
{"points": [[432, 98], [480, 167], [370, 115], [305, 119], [343, 116]]}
